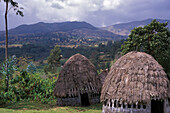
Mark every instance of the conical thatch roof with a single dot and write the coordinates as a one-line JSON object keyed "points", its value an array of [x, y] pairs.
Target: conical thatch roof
{"points": [[78, 75], [135, 77]]}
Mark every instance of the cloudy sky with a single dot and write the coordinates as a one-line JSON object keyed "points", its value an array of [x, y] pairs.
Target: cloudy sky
{"points": [[96, 12]]}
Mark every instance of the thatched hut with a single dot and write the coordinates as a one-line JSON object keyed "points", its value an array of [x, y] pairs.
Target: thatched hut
{"points": [[78, 83], [135, 83], [103, 75]]}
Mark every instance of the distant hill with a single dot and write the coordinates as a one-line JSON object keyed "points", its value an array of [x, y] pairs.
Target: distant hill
{"points": [[125, 28], [63, 29], [67, 30], [50, 27]]}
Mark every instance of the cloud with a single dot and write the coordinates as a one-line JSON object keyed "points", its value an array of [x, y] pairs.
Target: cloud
{"points": [[56, 5], [111, 4], [96, 12], [67, 10]]}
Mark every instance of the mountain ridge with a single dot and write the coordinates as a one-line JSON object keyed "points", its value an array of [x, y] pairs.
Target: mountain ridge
{"points": [[125, 28], [50, 27], [75, 29], [63, 30]]}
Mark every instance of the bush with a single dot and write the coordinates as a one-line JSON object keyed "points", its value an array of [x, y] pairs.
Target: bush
{"points": [[31, 68], [30, 87]]}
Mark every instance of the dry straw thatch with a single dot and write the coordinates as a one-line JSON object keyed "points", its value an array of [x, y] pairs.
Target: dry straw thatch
{"points": [[78, 75], [135, 77]]}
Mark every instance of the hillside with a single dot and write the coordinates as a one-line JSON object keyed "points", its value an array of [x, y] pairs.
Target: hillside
{"points": [[125, 28], [57, 33], [66, 33], [50, 27]]}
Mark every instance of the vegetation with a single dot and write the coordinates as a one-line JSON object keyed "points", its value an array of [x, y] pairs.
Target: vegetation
{"points": [[16, 8], [32, 107], [31, 68], [7, 69], [153, 39], [28, 87], [53, 60], [101, 54], [28, 84], [14, 5]]}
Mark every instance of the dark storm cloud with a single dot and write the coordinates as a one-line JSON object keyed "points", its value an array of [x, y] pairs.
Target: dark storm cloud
{"points": [[96, 12]]}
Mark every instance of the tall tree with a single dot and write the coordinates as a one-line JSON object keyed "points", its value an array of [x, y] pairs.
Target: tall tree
{"points": [[53, 60], [153, 39], [10, 4]]}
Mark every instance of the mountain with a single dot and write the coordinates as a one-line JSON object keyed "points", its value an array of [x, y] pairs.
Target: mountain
{"points": [[50, 27], [125, 28], [63, 29]]}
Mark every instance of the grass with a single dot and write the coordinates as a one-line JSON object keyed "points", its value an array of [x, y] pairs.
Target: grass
{"points": [[33, 107]]}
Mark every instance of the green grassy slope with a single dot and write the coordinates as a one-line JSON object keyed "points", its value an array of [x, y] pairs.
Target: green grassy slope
{"points": [[32, 107]]}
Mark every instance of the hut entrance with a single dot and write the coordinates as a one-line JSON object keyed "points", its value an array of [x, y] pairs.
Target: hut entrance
{"points": [[157, 106], [84, 99]]}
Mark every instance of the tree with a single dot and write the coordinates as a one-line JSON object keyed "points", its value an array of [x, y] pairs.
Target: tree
{"points": [[16, 8], [11, 66], [53, 60], [31, 68], [23, 62], [153, 39]]}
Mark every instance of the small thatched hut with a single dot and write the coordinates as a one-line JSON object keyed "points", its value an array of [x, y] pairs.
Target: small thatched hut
{"points": [[78, 83], [135, 83], [103, 75]]}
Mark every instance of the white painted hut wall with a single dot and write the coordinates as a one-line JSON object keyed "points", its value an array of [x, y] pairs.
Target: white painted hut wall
{"points": [[110, 107]]}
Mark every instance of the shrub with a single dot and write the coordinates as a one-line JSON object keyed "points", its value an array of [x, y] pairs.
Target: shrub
{"points": [[30, 87]]}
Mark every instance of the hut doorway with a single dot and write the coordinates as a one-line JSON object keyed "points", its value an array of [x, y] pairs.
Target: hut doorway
{"points": [[157, 106], [84, 99]]}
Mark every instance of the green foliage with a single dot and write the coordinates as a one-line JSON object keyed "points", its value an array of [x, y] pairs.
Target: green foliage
{"points": [[153, 39], [102, 55], [25, 85], [16, 7], [11, 62], [8, 68], [23, 62], [30, 87], [53, 60], [38, 53], [31, 68]]}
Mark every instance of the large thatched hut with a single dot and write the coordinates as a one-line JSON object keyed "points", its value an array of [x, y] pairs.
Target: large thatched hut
{"points": [[78, 83], [135, 83]]}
